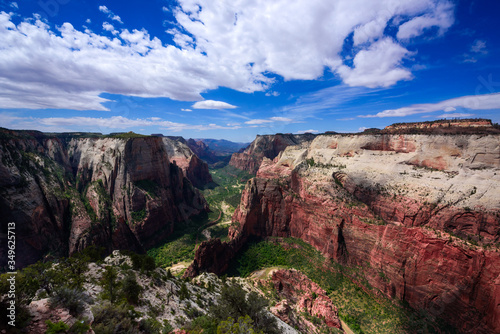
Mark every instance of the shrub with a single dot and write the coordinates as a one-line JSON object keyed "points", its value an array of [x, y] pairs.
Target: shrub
{"points": [[234, 302], [72, 299], [150, 325], [183, 292], [58, 327], [242, 326], [131, 290], [110, 319]]}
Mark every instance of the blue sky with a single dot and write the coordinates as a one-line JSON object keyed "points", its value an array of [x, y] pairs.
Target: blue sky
{"points": [[236, 68]]}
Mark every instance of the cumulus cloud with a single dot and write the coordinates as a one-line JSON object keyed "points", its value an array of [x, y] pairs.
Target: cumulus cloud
{"points": [[226, 43], [211, 104], [473, 102], [187, 110], [441, 17], [380, 65], [14, 5]]}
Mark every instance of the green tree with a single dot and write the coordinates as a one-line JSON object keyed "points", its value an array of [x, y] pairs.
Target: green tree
{"points": [[110, 284], [131, 290], [183, 292]]}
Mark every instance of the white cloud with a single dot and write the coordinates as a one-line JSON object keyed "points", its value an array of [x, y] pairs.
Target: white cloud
{"points": [[479, 46], [165, 9], [281, 119], [306, 131], [363, 128], [378, 66], [269, 120], [88, 21], [441, 16], [104, 9], [473, 102], [454, 115], [211, 104], [187, 110], [258, 121], [107, 26], [104, 124], [273, 94], [14, 5], [111, 15], [226, 43]]}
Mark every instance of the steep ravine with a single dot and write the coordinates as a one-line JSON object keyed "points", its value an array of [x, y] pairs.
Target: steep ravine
{"points": [[416, 215], [65, 193]]}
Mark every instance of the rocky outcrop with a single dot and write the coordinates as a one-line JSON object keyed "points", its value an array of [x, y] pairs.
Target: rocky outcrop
{"points": [[65, 193], [194, 168], [300, 295], [266, 146], [427, 236], [444, 126]]}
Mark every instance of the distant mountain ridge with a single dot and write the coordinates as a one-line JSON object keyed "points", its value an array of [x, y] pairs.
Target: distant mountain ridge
{"points": [[214, 150]]}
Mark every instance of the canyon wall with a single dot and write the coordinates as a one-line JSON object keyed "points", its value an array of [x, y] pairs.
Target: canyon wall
{"points": [[65, 193], [413, 217], [265, 146], [180, 152]]}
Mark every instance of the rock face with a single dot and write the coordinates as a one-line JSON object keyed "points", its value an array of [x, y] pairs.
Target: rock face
{"points": [[195, 169], [267, 146], [458, 123], [299, 294], [418, 215], [66, 193], [202, 150]]}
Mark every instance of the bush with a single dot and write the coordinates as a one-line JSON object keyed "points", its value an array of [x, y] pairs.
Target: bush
{"points": [[242, 326], [235, 302], [110, 319], [58, 327], [72, 299], [183, 292], [131, 289], [150, 325]]}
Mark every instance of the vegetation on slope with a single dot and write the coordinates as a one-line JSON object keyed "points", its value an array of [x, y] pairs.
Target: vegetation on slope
{"points": [[364, 312], [126, 293], [223, 196]]}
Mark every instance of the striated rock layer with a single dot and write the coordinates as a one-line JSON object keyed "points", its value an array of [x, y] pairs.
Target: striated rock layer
{"points": [[195, 169], [418, 216], [266, 146], [65, 193]]}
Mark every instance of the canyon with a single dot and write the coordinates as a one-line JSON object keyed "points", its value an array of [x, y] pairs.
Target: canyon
{"points": [[414, 217], [66, 192]]}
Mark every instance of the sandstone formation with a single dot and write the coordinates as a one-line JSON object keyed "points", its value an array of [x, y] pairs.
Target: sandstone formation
{"points": [[416, 216], [65, 193], [266, 146], [202, 150], [195, 169], [301, 295]]}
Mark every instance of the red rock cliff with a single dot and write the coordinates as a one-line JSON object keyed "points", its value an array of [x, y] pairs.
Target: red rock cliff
{"points": [[67, 193], [384, 212]]}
